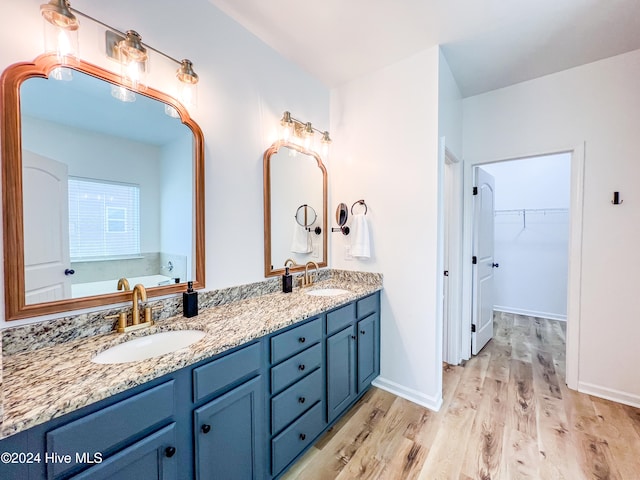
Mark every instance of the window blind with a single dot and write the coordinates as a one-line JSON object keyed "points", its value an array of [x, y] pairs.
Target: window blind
{"points": [[104, 219]]}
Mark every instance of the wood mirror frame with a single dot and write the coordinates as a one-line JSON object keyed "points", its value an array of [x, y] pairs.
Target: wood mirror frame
{"points": [[12, 194], [269, 271]]}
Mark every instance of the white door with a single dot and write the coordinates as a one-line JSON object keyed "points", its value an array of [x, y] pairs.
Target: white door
{"points": [[46, 229], [482, 309]]}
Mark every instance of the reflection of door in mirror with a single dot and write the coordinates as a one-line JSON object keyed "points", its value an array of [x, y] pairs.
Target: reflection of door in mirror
{"points": [[296, 181], [46, 229], [129, 193]]}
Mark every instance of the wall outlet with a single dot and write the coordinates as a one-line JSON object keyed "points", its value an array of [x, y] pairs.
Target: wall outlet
{"points": [[347, 252]]}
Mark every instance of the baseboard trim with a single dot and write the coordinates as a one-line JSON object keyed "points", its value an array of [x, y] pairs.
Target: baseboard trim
{"points": [[531, 313], [609, 394], [432, 403]]}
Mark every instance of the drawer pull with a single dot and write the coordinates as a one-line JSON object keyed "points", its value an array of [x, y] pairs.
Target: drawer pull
{"points": [[302, 339], [170, 451], [302, 400], [362, 332], [303, 436], [206, 428], [301, 367]]}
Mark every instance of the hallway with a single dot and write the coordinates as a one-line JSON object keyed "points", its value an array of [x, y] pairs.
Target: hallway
{"points": [[507, 414]]}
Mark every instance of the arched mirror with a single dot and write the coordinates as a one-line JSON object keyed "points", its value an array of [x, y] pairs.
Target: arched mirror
{"points": [[295, 208], [95, 188]]}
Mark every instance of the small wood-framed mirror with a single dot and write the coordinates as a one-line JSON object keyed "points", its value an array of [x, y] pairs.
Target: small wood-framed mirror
{"points": [[294, 177], [46, 119]]}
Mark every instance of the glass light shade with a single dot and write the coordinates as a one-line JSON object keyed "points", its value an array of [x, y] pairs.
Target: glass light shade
{"points": [[134, 60], [170, 111], [61, 73], [188, 94], [64, 43], [134, 73], [123, 94]]}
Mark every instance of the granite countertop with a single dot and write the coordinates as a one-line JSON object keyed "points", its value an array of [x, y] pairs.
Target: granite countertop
{"points": [[43, 384]]}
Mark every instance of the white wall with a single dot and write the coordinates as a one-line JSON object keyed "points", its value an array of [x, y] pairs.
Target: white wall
{"points": [[385, 151], [598, 104], [449, 108], [244, 88], [532, 248], [177, 199]]}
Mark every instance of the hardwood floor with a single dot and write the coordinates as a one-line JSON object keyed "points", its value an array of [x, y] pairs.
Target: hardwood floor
{"points": [[507, 414]]}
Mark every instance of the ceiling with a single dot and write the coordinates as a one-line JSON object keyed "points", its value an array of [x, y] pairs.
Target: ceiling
{"points": [[488, 44]]}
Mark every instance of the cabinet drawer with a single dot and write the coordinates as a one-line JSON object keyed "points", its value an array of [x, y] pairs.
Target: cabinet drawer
{"points": [[295, 368], [286, 446], [295, 400], [295, 340], [111, 428], [340, 318], [221, 373], [367, 306]]}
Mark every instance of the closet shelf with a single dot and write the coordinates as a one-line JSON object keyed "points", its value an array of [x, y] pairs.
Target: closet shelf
{"points": [[528, 211]]}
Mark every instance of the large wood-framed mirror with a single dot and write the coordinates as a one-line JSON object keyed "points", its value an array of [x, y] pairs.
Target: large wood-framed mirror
{"points": [[95, 189], [295, 208]]}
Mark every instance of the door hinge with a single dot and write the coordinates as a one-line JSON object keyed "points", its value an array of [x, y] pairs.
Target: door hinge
{"points": [[475, 190], [474, 260], [473, 328]]}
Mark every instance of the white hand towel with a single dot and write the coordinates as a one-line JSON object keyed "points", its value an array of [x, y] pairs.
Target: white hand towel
{"points": [[301, 241], [360, 244]]}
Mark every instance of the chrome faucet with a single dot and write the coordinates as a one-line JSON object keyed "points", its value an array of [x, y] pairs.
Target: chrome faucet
{"points": [[307, 280]]}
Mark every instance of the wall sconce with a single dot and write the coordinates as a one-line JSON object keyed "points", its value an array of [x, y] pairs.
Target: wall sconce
{"points": [[60, 34], [302, 133], [126, 48], [134, 60]]}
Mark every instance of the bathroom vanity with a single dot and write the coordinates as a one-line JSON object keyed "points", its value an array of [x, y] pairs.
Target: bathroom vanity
{"points": [[272, 374]]}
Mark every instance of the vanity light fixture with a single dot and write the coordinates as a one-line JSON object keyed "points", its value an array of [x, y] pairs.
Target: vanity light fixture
{"points": [[187, 83], [60, 31], [61, 36], [303, 133], [134, 59]]}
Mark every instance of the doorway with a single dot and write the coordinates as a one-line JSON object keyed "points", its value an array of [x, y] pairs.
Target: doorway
{"points": [[464, 321]]}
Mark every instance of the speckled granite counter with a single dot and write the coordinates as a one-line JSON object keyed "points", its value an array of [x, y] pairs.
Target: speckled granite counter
{"points": [[42, 384]]}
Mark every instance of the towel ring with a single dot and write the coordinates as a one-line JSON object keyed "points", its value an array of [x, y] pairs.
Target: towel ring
{"points": [[361, 202]]}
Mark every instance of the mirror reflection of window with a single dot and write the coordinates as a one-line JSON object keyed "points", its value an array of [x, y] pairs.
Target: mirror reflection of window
{"points": [[104, 219]]}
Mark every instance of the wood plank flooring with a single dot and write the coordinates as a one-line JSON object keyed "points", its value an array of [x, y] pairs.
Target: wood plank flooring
{"points": [[507, 414]]}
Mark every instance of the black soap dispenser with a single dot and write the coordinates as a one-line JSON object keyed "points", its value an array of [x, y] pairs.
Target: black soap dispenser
{"points": [[287, 281], [190, 301]]}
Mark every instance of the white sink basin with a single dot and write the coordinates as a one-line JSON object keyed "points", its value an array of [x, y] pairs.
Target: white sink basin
{"points": [[149, 346], [327, 292]]}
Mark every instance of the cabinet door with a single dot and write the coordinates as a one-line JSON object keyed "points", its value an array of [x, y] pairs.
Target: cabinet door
{"points": [[368, 358], [341, 370], [229, 435], [151, 458]]}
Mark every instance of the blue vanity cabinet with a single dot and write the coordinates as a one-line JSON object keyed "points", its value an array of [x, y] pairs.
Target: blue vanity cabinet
{"points": [[296, 392], [248, 413], [341, 371], [228, 428], [229, 437], [153, 458], [353, 353]]}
